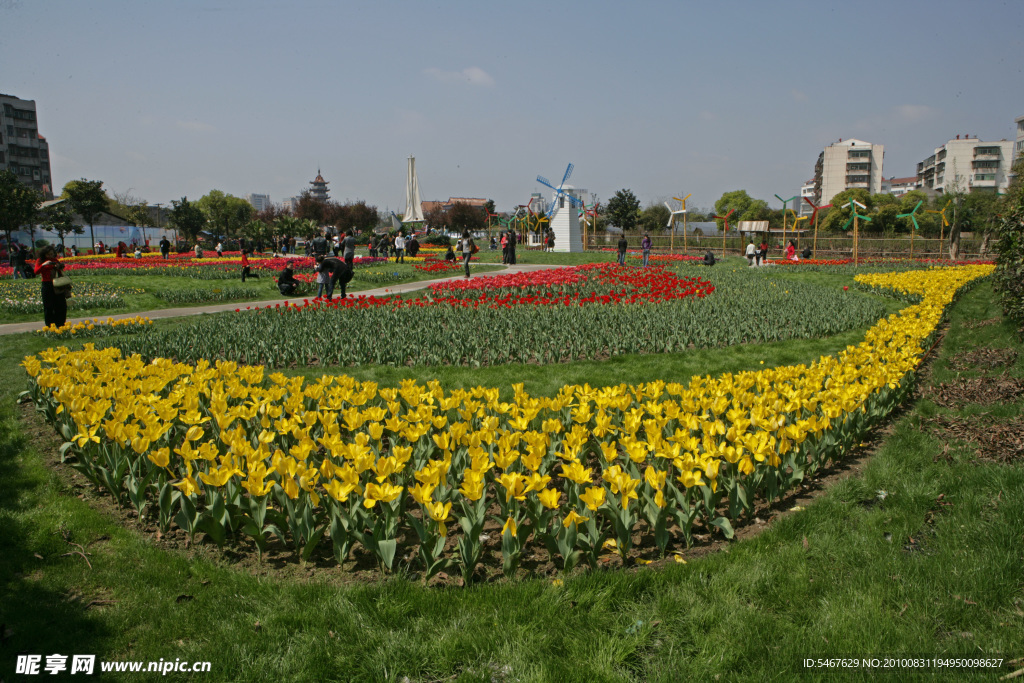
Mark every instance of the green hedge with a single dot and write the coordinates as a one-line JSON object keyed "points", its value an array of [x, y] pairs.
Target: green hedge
{"points": [[1009, 275]]}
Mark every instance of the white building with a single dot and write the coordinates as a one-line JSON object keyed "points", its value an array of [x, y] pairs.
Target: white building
{"points": [[806, 190], [845, 165], [1018, 148], [289, 203], [966, 161], [259, 202], [898, 187]]}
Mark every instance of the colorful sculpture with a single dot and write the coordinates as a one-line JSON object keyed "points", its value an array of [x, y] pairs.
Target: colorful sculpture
{"points": [[814, 219], [917, 227], [726, 231], [854, 216]]}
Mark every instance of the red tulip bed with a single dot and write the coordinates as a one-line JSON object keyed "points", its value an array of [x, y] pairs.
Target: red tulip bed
{"points": [[550, 316]]}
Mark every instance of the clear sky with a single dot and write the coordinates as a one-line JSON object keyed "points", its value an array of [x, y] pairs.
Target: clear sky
{"points": [[177, 98]]}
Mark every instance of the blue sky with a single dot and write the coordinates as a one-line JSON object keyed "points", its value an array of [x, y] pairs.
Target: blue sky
{"points": [[177, 98]]}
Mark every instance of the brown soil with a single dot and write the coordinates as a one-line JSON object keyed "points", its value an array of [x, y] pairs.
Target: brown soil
{"points": [[977, 390], [983, 358], [997, 439]]}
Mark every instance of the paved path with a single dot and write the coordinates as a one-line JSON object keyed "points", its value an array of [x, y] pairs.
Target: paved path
{"points": [[17, 328]]}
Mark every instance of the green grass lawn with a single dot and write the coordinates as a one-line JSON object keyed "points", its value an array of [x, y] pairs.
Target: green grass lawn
{"points": [[918, 555], [254, 289]]}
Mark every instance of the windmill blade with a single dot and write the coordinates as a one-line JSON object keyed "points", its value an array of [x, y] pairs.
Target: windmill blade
{"points": [[914, 218], [568, 172], [914, 210], [859, 204], [849, 222], [575, 201], [544, 181]]}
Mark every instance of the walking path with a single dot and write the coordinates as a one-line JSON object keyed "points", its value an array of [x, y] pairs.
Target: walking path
{"points": [[18, 328]]}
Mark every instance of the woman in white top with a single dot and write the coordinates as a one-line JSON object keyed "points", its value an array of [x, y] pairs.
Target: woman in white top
{"points": [[751, 251]]}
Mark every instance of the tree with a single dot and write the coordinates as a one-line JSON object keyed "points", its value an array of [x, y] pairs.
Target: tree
{"points": [[837, 216], [18, 204], [88, 200], [357, 217], [1009, 274], [226, 214], [437, 219], [462, 216], [61, 220], [654, 218], [310, 208], [623, 210], [746, 209], [187, 219], [489, 206]]}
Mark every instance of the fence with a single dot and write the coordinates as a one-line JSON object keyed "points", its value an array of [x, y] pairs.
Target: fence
{"points": [[831, 246]]}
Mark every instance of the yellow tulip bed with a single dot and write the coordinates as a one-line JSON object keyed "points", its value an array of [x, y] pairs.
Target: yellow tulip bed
{"points": [[97, 327], [224, 450]]}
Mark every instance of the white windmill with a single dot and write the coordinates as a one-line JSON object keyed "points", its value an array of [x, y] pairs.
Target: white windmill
{"points": [[564, 220], [673, 213]]}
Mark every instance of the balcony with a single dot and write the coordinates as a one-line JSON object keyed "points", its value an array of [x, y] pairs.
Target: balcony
{"points": [[987, 153]]}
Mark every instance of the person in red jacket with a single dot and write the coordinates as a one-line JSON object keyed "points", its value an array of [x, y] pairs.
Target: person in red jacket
{"points": [[245, 266], [55, 306]]}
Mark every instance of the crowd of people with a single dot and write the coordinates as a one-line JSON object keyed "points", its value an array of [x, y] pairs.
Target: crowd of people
{"points": [[333, 255]]}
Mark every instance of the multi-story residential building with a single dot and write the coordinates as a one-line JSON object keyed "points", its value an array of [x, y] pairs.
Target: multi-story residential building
{"points": [[1018, 148], [899, 186], [968, 164], [806, 190], [23, 150], [289, 203], [845, 165], [258, 201]]}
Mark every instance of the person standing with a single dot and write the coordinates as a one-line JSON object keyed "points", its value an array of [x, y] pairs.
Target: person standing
{"points": [[762, 252], [55, 305], [468, 249], [198, 251], [400, 247], [348, 247], [623, 245], [512, 247], [165, 248], [751, 251], [17, 260], [645, 245], [220, 253]]}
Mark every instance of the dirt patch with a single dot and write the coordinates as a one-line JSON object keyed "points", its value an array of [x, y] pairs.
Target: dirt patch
{"points": [[979, 390], [983, 358], [997, 439], [974, 324]]}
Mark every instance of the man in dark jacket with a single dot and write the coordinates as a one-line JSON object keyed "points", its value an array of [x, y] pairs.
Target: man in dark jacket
{"points": [[709, 258], [319, 244], [512, 247], [623, 245], [339, 272], [286, 282]]}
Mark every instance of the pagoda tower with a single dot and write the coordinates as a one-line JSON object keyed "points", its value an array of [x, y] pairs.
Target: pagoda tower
{"points": [[319, 189]]}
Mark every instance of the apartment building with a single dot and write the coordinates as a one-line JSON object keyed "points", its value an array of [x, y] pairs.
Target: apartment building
{"points": [[899, 186], [845, 165], [259, 202], [23, 151], [1018, 147], [969, 164], [806, 191]]}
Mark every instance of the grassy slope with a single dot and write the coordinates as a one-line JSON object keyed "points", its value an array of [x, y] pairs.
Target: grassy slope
{"points": [[822, 582]]}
